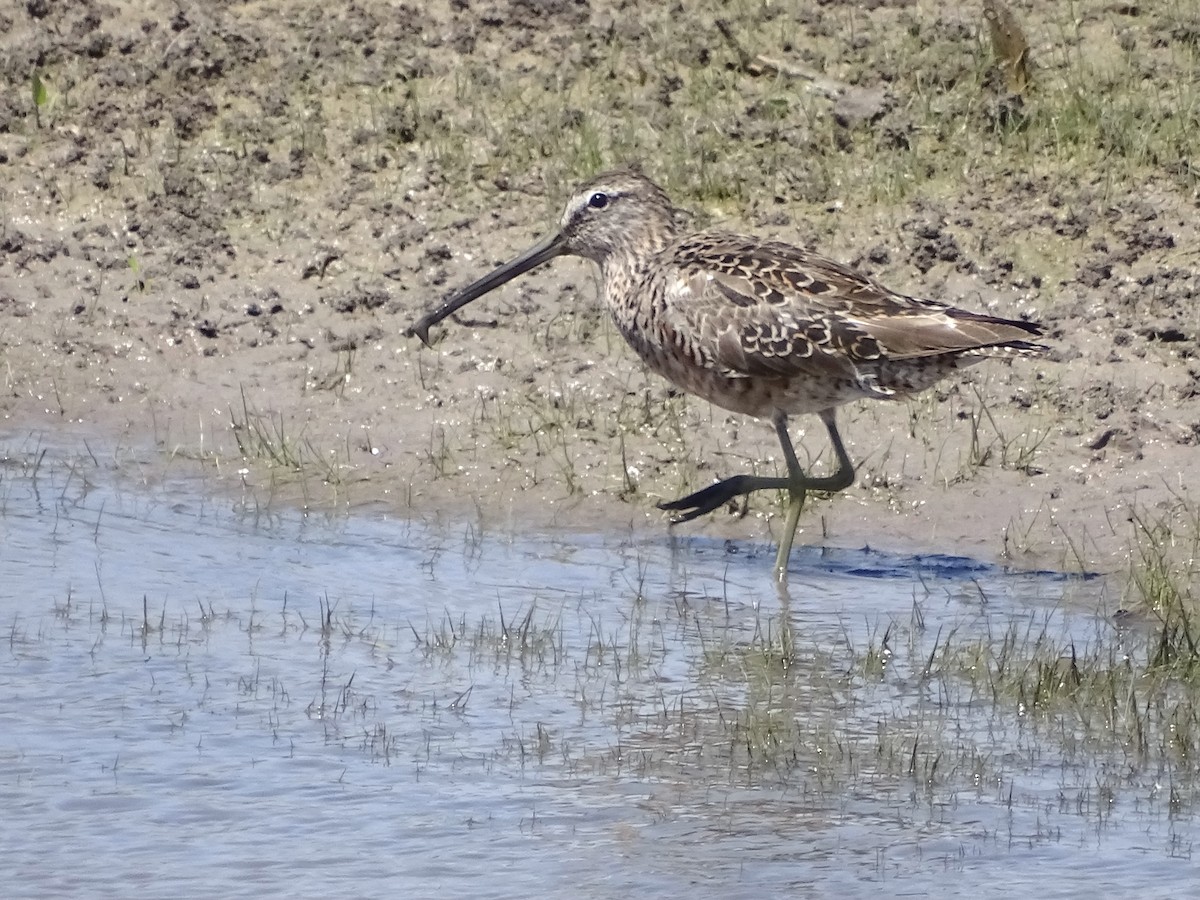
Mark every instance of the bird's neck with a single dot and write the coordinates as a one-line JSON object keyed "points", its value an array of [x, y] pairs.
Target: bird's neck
{"points": [[628, 277], [631, 259]]}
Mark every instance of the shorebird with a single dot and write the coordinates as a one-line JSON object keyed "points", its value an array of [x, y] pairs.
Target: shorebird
{"points": [[754, 326]]}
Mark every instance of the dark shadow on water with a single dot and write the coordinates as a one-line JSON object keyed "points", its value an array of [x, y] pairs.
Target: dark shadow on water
{"points": [[865, 562]]}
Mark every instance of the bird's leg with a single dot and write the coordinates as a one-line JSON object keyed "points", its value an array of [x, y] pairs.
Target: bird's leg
{"points": [[796, 494], [797, 484], [717, 495], [844, 476]]}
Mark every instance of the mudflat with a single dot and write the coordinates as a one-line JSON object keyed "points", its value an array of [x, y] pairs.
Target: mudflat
{"points": [[219, 220]]}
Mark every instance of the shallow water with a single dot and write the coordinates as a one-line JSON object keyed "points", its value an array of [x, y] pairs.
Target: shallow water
{"points": [[205, 698]]}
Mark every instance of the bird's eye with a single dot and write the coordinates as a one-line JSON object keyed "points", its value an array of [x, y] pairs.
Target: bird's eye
{"points": [[598, 200]]}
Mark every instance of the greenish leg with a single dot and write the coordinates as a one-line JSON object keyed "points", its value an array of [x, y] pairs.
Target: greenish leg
{"points": [[796, 494], [797, 484], [795, 505]]}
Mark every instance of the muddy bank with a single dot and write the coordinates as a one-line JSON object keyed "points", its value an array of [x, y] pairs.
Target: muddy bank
{"points": [[217, 226]]}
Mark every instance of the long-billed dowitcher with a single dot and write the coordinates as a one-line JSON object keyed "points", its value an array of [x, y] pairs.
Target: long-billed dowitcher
{"points": [[755, 326]]}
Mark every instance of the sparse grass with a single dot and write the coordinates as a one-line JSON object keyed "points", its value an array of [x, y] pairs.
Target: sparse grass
{"points": [[566, 431], [1010, 447], [671, 93], [266, 438], [338, 375], [1165, 572], [1121, 694]]}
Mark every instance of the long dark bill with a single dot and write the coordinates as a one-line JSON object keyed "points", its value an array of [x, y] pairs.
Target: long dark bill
{"points": [[544, 250]]}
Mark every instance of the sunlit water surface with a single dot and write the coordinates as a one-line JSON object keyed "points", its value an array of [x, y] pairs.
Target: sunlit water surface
{"points": [[203, 699]]}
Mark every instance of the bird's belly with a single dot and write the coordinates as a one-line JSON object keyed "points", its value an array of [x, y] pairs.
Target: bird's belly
{"points": [[761, 397]]}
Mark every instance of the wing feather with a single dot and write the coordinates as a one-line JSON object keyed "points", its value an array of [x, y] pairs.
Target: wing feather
{"points": [[771, 309]]}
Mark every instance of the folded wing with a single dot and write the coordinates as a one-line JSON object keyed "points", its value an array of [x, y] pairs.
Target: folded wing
{"points": [[771, 309]]}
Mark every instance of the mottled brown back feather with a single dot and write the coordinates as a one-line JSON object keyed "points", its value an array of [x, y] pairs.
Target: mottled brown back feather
{"points": [[771, 309]]}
